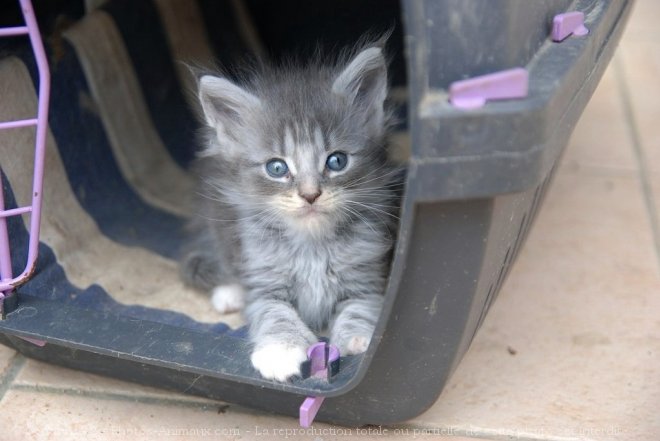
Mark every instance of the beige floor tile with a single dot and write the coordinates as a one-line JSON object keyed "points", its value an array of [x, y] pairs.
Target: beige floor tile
{"points": [[643, 23], [595, 143], [42, 416], [639, 62], [572, 346], [38, 375]]}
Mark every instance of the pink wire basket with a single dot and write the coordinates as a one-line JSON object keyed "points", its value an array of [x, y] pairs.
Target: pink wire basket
{"points": [[7, 281]]}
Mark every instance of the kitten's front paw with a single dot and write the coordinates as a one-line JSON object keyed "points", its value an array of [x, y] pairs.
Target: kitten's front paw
{"points": [[278, 361], [228, 298], [355, 345]]}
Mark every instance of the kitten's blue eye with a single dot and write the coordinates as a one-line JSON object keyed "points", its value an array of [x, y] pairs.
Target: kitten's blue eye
{"points": [[277, 168], [337, 161]]}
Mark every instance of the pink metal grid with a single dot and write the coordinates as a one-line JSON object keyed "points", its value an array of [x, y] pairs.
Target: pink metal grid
{"points": [[7, 281]]}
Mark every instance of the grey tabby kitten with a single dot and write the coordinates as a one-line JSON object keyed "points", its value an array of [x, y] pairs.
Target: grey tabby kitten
{"points": [[299, 201]]}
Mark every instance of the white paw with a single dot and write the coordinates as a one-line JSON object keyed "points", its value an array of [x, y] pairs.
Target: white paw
{"points": [[357, 345], [278, 361], [228, 298]]}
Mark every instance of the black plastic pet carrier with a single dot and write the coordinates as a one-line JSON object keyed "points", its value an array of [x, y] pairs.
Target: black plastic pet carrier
{"points": [[487, 93]]}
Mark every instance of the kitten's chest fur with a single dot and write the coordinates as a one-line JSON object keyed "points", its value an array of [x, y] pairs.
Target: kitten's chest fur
{"points": [[318, 274], [316, 281]]}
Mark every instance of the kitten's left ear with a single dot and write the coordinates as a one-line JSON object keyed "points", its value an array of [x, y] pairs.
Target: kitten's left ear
{"points": [[364, 83]]}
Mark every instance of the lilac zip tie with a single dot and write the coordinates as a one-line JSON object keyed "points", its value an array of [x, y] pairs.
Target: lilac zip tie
{"points": [[474, 92], [320, 355], [568, 23]]}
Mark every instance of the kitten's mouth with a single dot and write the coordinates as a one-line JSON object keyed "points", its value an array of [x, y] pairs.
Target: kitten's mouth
{"points": [[310, 210], [311, 218]]}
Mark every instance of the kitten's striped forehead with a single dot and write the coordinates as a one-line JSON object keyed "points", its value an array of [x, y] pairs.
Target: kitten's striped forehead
{"points": [[302, 140]]}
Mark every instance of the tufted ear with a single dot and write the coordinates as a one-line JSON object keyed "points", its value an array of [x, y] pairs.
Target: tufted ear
{"points": [[363, 82], [227, 108], [225, 104]]}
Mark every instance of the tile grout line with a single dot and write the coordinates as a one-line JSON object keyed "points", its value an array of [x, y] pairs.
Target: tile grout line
{"points": [[596, 171], [647, 190], [15, 365], [114, 396]]}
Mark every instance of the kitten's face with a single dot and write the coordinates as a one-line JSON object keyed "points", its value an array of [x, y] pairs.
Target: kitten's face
{"points": [[306, 144], [311, 179]]}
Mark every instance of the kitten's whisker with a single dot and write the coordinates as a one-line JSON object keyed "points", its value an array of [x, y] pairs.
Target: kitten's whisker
{"points": [[376, 205], [256, 225], [386, 228], [371, 189], [375, 192], [361, 178], [384, 175], [232, 220], [370, 207], [267, 227], [228, 191], [390, 185], [369, 173], [236, 197], [362, 218], [227, 199]]}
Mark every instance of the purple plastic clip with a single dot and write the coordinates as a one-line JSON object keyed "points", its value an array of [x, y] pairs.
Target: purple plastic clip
{"points": [[320, 355], [474, 92], [568, 23]]}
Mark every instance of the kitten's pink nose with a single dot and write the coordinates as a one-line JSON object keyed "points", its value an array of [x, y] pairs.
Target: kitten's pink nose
{"points": [[310, 197]]}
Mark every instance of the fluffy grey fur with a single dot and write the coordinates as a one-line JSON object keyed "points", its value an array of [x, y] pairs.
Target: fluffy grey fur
{"points": [[311, 249]]}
